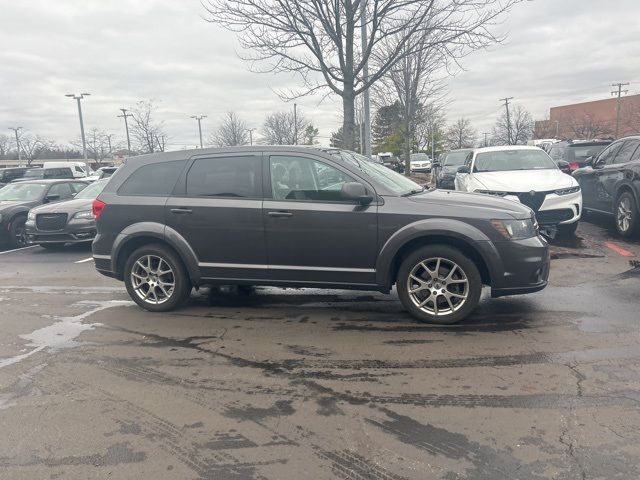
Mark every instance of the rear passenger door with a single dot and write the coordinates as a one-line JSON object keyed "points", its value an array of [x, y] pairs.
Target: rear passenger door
{"points": [[217, 208], [313, 235]]}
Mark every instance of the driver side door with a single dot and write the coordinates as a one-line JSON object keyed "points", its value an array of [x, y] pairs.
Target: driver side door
{"points": [[589, 179], [312, 234]]}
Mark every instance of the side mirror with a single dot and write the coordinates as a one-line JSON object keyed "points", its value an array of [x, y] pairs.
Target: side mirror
{"points": [[52, 198], [356, 192], [589, 161], [463, 169]]}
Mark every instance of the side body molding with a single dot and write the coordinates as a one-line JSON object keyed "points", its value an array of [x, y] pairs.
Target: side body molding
{"points": [[440, 227]]}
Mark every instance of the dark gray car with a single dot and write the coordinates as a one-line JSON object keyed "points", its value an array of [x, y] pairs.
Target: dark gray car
{"points": [[16, 199], [303, 217], [444, 171], [55, 224]]}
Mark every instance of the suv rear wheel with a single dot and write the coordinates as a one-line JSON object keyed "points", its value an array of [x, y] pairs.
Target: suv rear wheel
{"points": [[438, 284], [156, 278], [626, 214]]}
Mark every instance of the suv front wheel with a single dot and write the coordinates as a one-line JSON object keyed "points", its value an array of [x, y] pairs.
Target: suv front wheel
{"points": [[156, 278], [626, 214], [438, 284]]}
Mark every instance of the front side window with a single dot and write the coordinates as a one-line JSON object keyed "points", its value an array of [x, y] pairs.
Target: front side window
{"points": [[154, 179], [299, 178], [626, 151], [509, 160], [62, 190], [22, 192], [236, 176], [609, 154]]}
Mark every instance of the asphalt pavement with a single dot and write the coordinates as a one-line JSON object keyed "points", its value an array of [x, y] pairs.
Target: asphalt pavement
{"points": [[295, 384]]}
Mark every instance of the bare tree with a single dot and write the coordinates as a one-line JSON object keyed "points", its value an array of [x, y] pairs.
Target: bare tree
{"points": [[284, 128], [521, 127], [320, 40], [460, 134], [587, 126], [99, 145], [32, 145], [5, 145], [232, 132], [144, 128], [430, 127]]}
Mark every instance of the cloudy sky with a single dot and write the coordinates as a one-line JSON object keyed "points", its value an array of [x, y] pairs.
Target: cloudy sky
{"points": [[557, 52]]}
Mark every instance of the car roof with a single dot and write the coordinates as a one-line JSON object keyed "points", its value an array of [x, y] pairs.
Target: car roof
{"points": [[504, 148], [51, 180]]}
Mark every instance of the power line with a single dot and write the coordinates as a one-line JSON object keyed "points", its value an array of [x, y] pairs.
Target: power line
{"points": [[506, 106], [619, 93]]}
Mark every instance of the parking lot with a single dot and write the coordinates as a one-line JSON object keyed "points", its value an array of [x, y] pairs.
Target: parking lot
{"points": [[290, 384]]}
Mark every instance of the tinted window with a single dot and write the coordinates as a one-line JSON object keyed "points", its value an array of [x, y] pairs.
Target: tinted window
{"points": [[626, 151], [455, 159], [154, 179], [64, 172], [225, 177], [63, 190], [557, 153], [509, 160], [607, 156], [298, 178]]}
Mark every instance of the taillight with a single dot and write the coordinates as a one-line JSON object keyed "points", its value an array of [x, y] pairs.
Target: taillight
{"points": [[574, 166], [97, 208]]}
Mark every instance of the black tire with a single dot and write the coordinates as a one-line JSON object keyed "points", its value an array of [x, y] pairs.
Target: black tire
{"points": [[568, 230], [181, 284], [455, 285], [53, 246], [625, 206], [17, 237]]}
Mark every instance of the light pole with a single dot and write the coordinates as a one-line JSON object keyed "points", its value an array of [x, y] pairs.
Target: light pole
{"points": [[15, 130], [199, 119], [295, 124], [366, 138], [84, 142], [250, 130], [486, 141], [125, 115]]}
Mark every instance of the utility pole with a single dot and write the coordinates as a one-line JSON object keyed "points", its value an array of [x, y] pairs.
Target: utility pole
{"points": [[295, 124], [557, 128], [433, 143], [619, 93], [199, 119], [506, 105], [486, 141], [250, 130], [126, 126], [109, 141], [15, 130], [366, 138], [84, 142]]}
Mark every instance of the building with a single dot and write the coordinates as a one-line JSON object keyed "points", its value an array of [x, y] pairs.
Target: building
{"points": [[589, 120]]}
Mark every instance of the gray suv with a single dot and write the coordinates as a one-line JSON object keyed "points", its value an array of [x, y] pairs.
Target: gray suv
{"points": [[307, 217]]}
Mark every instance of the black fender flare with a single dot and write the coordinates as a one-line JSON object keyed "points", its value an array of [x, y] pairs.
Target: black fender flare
{"points": [[440, 227], [165, 235]]}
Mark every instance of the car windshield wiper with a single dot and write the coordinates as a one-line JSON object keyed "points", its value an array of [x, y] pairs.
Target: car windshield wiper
{"points": [[415, 191]]}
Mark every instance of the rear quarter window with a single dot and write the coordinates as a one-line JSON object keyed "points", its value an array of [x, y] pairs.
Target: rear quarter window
{"points": [[153, 179]]}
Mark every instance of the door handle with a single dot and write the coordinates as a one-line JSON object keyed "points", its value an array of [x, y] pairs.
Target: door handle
{"points": [[280, 214], [181, 211]]}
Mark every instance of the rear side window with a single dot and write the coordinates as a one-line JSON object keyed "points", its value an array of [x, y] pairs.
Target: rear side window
{"points": [[154, 179], [225, 177]]}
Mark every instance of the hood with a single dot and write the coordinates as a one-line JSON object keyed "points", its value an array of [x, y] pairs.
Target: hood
{"points": [[68, 206], [6, 205], [524, 180], [495, 207]]}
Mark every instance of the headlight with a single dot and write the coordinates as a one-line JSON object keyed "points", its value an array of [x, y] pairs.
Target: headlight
{"points": [[491, 192], [31, 216], [515, 229], [567, 191], [85, 214]]}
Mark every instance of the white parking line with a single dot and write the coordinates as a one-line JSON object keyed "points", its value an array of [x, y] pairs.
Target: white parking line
{"points": [[85, 260], [18, 249]]}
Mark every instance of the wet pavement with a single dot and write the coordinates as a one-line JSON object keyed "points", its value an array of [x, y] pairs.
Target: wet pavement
{"points": [[318, 384]]}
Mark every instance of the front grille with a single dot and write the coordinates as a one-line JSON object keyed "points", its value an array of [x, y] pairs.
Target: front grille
{"points": [[51, 222], [533, 200], [554, 216]]}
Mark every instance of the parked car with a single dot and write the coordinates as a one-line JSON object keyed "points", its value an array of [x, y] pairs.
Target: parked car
{"points": [[56, 224], [611, 183], [576, 153], [46, 174], [7, 175], [391, 162], [420, 163], [527, 175], [444, 170], [16, 199], [265, 216]]}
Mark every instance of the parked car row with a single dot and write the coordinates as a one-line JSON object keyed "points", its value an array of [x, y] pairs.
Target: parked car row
{"points": [[52, 171]]}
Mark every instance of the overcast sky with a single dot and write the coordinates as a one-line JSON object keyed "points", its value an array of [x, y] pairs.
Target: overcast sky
{"points": [[557, 52]]}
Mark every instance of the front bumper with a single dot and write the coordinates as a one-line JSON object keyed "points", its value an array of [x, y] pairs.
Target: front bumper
{"points": [[525, 267], [421, 169], [75, 231], [447, 183], [557, 209]]}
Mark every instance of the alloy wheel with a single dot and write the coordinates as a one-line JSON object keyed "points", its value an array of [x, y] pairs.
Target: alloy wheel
{"points": [[153, 279], [438, 286], [624, 214]]}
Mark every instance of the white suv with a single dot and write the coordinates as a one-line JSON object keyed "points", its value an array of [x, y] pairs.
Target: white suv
{"points": [[526, 175]]}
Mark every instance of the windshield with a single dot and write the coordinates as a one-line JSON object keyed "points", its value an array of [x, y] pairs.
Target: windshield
{"points": [[22, 192], [455, 159], [509, 160], [93, 190], [396, 183], [34, 173]]}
